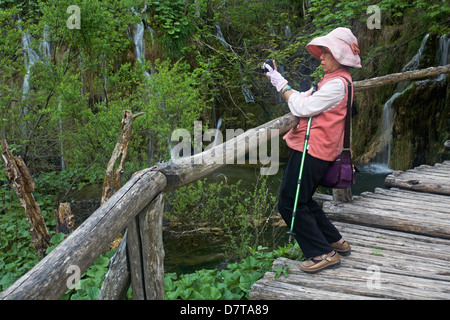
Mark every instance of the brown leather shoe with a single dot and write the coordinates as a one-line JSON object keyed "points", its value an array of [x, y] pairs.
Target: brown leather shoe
{"points": [[313, 265], [343, 249]]}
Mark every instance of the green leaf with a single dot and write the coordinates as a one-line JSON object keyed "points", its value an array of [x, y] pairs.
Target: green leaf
{"points": [[211, 293], [57, 238], [93, 292]]}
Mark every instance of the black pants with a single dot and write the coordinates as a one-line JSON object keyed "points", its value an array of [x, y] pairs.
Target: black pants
{"points": [[314, 232]]}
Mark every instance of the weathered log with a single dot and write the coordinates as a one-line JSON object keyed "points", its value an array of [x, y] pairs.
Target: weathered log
{"points": [[188, 169], [23, 185], [117, 279], [48, 279], [418, 182], [113, 176], [65, 219], [146, 252], [392, 214], [400, 77], [402, 243]]}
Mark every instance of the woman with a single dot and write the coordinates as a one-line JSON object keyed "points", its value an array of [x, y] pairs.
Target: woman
{"points": [[318, 238]]}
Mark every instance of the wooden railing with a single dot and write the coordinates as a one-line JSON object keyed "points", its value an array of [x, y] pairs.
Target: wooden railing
{"points": [[138, 206]]}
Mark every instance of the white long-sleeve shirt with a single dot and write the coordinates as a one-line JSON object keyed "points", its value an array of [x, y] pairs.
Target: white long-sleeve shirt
{"points": [[329, 96], [328, 109]]}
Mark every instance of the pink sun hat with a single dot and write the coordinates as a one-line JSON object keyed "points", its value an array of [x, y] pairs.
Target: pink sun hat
{"points": [[342, 44]]}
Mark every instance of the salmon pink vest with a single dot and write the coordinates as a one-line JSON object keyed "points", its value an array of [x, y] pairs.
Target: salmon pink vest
{"points": [[326, 135]]}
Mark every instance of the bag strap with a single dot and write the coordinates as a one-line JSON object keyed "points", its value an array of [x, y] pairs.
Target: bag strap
{"points": [[348, 118]]}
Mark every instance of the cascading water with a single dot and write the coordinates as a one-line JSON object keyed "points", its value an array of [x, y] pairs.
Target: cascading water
{"points": [[44, 46], [248, 95], [381, 163], [219, 123], [139, 45], [219, 36], [30, 57], [443, 55], [287, 32]]}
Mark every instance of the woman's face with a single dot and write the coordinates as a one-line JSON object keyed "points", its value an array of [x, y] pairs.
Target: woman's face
{"points": [[328, 62]]}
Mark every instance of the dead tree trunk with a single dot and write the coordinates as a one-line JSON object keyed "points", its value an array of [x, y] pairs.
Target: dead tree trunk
{"points": [[64, 218], [23, 185], [113, 177]]}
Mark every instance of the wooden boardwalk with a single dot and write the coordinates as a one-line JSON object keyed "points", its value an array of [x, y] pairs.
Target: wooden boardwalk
{"points": [[400, 240]]}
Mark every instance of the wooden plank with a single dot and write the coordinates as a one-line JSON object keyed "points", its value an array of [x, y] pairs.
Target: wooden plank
{"points": [[48, 278], [407, 195], [401, 242], [148, 261], [402, 195], [411, 204], [349, 280], [265, 289], [418, 182], [405, 208], [357, 212]]}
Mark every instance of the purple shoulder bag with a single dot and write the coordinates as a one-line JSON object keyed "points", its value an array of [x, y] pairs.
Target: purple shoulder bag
{"points": [[341, 173]]}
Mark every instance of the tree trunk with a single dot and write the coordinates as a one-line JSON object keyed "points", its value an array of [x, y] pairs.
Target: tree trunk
{"points": [[23, 185], [64, 218], [113, 177]]}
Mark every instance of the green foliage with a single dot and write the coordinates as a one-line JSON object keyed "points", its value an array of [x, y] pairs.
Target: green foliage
{"points": [[170, 99], [232, 283], [17, 254], [91, 281], [243, 214]]}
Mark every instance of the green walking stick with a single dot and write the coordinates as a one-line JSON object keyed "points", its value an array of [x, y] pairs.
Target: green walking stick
{"points": [[305, 149]]}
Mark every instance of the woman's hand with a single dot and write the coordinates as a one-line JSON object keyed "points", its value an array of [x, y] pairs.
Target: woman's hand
{"points": [[275, 77]]}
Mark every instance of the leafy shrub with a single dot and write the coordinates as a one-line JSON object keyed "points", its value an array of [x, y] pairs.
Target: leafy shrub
{"points": [[232, 283], [243, 214]]}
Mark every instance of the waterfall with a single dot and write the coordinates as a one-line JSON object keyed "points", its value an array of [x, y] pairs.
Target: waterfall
{"points": [[443, 55], [139, 44], [30, 57], [248, 96], [219, 123], [382, 159], [414, 62], [219, 36], [44, 46], [287, 32]]}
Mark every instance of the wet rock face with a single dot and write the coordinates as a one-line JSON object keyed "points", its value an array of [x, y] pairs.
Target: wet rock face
{"points": [[420, 115], [421, 125]]}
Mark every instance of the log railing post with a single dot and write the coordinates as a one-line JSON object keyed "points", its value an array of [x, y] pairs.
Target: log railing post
{"points": [[48, 278], [146, 252], [117, 279]]}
